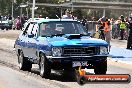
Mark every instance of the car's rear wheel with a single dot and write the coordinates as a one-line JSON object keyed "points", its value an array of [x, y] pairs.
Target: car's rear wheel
{"points": [[45, 69], [101, 67], [23, 62]]}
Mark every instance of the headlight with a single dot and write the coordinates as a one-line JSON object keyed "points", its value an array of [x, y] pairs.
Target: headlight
{"points": [[103, 50], [56, 51]]}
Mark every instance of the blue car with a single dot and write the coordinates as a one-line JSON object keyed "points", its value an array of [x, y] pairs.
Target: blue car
{"points": [[60, 44]]}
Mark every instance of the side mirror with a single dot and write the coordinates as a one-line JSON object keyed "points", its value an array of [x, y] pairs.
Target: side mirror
{"points": [[31, 35]]}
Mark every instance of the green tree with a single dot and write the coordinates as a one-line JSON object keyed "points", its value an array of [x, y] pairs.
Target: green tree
{"points": [[51, 12], [5, 6]]}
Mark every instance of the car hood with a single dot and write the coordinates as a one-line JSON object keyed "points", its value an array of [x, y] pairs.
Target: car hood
{"points": [[75, 40]]}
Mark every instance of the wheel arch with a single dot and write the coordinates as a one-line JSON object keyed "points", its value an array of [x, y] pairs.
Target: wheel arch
{"points": [[39, 54]]}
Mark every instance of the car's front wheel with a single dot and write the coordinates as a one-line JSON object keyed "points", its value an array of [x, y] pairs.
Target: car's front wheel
{"points": [[45, 69], [23, 62]]}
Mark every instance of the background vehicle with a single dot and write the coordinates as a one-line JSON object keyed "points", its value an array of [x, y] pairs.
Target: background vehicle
{"points": [[5, 24], [60, 44]]}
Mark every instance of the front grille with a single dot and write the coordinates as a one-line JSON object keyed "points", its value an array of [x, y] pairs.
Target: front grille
{"points": [[79, 51]]}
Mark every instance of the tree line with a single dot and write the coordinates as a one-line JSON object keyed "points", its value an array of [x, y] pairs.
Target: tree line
{"points": [[51, 12]]}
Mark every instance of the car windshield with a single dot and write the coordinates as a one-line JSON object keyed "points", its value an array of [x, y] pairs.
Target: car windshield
{"points": [[62, 27]]}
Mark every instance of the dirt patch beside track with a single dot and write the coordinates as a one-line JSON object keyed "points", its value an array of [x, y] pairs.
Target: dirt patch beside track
{"points": [[10, 34]]}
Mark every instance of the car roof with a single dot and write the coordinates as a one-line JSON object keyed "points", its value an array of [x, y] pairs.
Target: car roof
{"points": [[49, 20], [6, 21], [35, 19]]}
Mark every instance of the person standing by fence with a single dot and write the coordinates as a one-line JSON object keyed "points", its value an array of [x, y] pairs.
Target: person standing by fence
{"points": [[122, 26], [0, 17], [67, 15], [101, 29], [129, 41], [84, 21], [107, 31]]}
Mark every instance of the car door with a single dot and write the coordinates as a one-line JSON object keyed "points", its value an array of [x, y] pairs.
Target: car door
{"points": [[23, 40], [32, 42], [27, 52]]}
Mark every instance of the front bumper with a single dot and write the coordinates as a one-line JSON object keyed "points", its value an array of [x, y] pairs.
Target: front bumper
{"points": [[74, 58], [66, 62]]}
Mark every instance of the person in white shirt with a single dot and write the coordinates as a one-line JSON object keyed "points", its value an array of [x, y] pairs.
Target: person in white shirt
{"points": [[67, 15]]}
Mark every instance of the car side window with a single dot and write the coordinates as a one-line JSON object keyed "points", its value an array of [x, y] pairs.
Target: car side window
{"points": [[29, 31], [25, 29], [35, 30]]}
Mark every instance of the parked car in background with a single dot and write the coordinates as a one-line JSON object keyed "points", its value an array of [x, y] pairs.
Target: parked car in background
{"points": [[60, 44], [5, 24]]}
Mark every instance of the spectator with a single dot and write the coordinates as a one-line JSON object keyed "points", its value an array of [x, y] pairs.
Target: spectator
{"points": [[18, 23], [93, 19], [123, 27], [0, 18], [9, 17], [22, 20], [129, 41], [84, 21], [47, 17], [107, 31], [67, 15], [40, 16], [101, 29]]}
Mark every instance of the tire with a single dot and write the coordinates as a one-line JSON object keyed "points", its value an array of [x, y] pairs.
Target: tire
{"points": [[23, 62], [45, 69], [101, 67]]}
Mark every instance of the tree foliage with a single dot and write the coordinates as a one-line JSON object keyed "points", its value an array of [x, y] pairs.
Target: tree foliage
{"points": [[51, 12]]}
